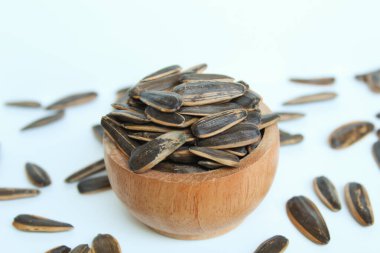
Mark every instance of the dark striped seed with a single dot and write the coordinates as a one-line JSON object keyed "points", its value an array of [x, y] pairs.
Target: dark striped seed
{"points": [[59, 249], [289, 139], [239, 151], [172, 119], [249, 99], [105, 243], [45, 120], [82, 248], [305, 216], [275, 244], [198, 77], [211, 165], [37, 176], [268, 120], [164, 101], [93, 185], [205, 110], [87, 171], [316, 81], [148, 155], [72, 100], [358, 203], [177, 168], [350, 133], [327, 193], [25, 103], [160, 84], [129, 116], [162, 73], [219, 156], [17, 193], [323, 96], [371, 79], [32, 223]]}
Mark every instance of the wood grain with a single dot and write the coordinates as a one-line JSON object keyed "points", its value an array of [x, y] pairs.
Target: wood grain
{"points": [[197, 205]]}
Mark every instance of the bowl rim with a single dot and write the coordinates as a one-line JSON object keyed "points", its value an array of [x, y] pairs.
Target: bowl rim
{"points": [[268, 140]]}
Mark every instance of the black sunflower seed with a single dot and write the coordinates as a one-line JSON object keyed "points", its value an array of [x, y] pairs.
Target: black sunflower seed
{"points": [[327, 193], [359, 204], [45, 120], [37, 176], [87, 171], [72, 100], [95, 184], [32, 223], [348, 134]]}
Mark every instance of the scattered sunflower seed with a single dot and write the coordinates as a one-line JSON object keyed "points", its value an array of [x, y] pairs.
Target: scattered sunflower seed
{"points": [[305, 216], [151, 153], [317, 81], [327, 193], [24, 103], [17, 193], [32, 223], [372, 79], [318, 97], [105, 243], [93, 185], [87, 171], [289, 139], [37, 176], [45, 120], [82, 248], [275, 244], [72, 100], [218, 156], [348, 134], [286, 116], [358, 202], [59, 249]]}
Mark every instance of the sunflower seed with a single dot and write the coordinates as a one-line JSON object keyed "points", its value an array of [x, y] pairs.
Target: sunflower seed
{"points": [[244, 83], [202, 93], [93, 185], [195, 77], [188, 121], [164, 101], [205, 110], [376, 152], [305, 216], [219, 156], [242, 134], [82, 248], [268, 120], [45, 120], [72, 100], [359, 204], [164, 118], [286, 116], [151, 153], [123, 106], [162, 73], [98, 132], [183, 155], [349, 133], [290, 139], [327, 193], [160, 84], [119, 135], [372, 79], [317, 81], [32, 223], [216, 123], [37, 176], [275, 244], [240, 151], [87, 171], [249, 99], [147, 128], [128, 116], [136, 103], [254, 117], [323, 96], [143, 136], [210, 164], [17, 193], [105, 243], [59, 249], [199, 68], [177, 168], [24, 103]]}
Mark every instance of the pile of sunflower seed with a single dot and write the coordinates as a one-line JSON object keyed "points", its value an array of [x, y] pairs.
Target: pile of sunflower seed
{"points": [[185, 121]]}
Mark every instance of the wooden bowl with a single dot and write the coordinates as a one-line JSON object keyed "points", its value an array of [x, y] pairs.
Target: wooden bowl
{"points": [[198, 205]]}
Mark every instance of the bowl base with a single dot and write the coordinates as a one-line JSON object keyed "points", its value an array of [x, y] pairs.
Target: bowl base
{"points": [[199, 236]]}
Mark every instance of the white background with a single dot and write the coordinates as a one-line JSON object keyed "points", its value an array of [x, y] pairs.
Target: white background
{"points": [[49, 49]]}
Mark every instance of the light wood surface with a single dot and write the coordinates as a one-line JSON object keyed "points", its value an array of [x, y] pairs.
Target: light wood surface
{"points": [[197, 205]]}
